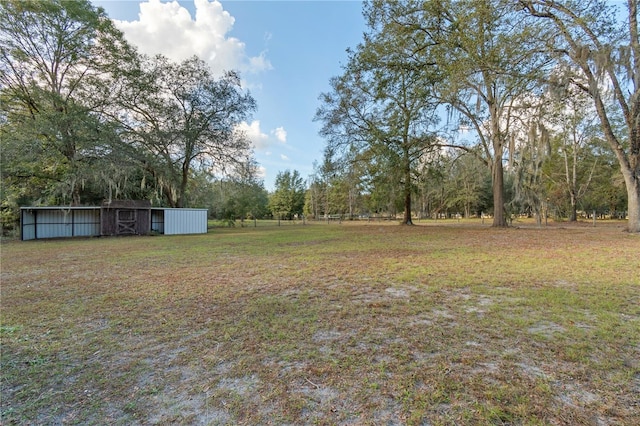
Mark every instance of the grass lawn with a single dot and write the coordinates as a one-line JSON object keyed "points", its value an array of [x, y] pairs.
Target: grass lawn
{"points": [[345, 324]]}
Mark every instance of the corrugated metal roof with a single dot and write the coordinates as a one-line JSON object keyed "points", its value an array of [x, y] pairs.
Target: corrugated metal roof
{"points": [[127, 204], [60, 208]]}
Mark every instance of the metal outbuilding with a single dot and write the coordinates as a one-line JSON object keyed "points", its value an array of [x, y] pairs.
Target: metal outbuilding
{"points": [[114, 218], [170, 221]]}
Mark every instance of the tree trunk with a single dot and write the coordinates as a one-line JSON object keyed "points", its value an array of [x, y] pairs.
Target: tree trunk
{"points": [[407, 191], [633, 206], [407, 203], [574, 207], [75, 196], [497, 177], [407, 209], [169, 195], [184, 181], [352, 198]]}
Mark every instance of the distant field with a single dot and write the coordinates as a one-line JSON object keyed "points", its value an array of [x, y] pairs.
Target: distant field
{"points": [[364, 323]]}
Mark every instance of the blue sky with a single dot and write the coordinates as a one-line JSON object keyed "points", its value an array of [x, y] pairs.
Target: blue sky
{"points": [[286, 52]]}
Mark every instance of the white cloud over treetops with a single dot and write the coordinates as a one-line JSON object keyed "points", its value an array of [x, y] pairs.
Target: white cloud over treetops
{"points": [[261, 140], [169, 29]]}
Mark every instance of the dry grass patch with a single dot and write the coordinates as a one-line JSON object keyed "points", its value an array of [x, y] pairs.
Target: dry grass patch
{"points": [[325, 324]]}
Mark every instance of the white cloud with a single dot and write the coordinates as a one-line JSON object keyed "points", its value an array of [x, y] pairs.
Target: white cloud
{"points": [[262, 141], [252, 131], [169, 29], [280, 133], [284, 157]]}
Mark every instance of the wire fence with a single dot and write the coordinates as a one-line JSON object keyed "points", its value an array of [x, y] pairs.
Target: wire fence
{"points": [[254, 223], [329, 219]]}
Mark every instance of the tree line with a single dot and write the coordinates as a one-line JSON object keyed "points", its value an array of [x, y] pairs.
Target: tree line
{"points": [[498, 106], [493, 107]]}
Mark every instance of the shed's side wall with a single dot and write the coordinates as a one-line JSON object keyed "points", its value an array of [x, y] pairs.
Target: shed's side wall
{"points": [[86, 223], [185, 221], [108, 225], [27, 225], [53, 224], [143, 224], [57, 223]]}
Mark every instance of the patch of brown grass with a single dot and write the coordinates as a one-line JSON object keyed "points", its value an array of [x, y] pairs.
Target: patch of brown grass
{"points": [[325, 324]]}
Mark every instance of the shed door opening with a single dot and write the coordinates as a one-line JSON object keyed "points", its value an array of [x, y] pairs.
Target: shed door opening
{"points": [[126, 221]]}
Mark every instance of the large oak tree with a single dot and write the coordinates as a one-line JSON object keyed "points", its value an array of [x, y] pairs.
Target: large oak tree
{"points": [[54, 56], [606, 53], [181, 118]]}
